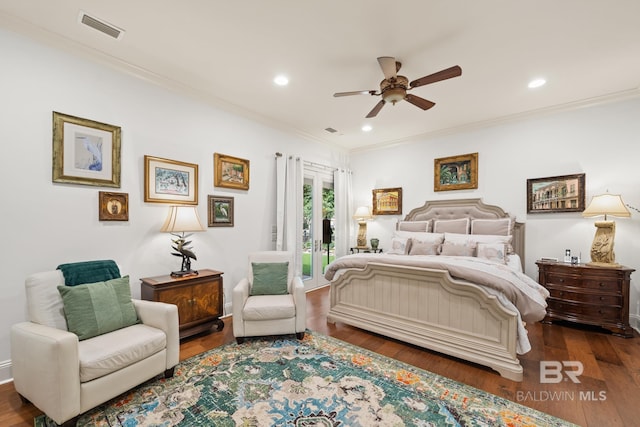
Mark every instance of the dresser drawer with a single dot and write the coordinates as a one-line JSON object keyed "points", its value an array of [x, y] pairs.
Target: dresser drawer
{"points": [[587, 297], [607, 284], [593, 311]]}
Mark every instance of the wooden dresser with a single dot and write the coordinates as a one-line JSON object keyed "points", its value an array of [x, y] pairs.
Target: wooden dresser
{"points": [[588, 294], [199, 299]]}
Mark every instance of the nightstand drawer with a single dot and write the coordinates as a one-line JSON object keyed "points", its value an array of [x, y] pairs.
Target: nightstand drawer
{"points": [[586, 297], [594, 311], [602, 284]]}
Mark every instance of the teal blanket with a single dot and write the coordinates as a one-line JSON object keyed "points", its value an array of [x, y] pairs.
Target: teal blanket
{"points": [[79, 273]]}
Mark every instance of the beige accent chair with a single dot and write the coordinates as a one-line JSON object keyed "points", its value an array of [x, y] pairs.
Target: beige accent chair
{"points": [[64, 377], [260, 315]]}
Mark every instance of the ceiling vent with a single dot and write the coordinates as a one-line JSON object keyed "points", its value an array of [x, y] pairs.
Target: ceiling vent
{"points": [[100, 25]]}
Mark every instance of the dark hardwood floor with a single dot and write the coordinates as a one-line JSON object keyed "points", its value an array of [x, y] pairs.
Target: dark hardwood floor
{"points": [[608, 393]]}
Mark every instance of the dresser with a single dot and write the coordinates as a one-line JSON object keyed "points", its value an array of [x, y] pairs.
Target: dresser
{"points": [[199, 299], [588, 294]]}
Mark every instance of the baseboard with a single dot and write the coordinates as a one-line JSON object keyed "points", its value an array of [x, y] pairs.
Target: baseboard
{"points": [[5, 372]]}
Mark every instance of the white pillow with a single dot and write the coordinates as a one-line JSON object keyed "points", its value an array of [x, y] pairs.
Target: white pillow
{"points": [[492, 251], [419, 235], [460, 225], [399, 246], [462, 239]]}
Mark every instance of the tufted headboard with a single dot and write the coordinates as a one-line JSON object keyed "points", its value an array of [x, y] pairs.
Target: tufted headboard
{"points": [[469, 208]]}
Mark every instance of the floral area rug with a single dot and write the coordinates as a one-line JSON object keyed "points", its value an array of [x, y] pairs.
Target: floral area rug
{"points": [[319, 381]]}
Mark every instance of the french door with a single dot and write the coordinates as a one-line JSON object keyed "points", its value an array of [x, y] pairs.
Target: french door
{"points": [[317, 225]]}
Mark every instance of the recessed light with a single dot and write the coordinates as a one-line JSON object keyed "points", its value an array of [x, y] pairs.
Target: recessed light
{"points": [[366, 128], [536, 83], [281, 80]]}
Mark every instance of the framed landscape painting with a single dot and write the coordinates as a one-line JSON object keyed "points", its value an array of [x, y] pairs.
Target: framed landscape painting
{"points": [[85, 151], [230, 172], [456, 172], [565, 193], [170, 181]]}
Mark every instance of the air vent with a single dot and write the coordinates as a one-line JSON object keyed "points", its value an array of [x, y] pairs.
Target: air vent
{"points": [[101, 26], [331, 130]]}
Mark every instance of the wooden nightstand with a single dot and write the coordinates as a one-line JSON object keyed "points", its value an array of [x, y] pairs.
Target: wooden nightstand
{"points": [[199, 299], [357, 250], [588, 294]]}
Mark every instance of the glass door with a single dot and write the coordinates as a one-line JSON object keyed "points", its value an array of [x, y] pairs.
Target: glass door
{"points": [[317, 226]]}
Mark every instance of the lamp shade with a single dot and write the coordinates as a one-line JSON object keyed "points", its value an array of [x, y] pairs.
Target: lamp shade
{"points": [[362, 214], [181, 219], [606, 204]]}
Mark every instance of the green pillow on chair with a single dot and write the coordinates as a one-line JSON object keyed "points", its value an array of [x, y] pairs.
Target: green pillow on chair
{"points": [[270, 278], [97, 308]]}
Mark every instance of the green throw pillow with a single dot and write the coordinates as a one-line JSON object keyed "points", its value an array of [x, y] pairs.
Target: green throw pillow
{"points": [[270, 278], [94, 309]]}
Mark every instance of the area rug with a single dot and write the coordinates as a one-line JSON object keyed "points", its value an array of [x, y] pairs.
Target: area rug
{"points": [[319, 381]]}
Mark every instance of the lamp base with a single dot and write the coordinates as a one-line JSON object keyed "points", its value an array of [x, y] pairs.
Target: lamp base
{"points": [[604, 264], [184, 273]]}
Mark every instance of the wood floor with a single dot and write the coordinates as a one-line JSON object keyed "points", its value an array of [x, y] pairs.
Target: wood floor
{"points": [[608, 393]]}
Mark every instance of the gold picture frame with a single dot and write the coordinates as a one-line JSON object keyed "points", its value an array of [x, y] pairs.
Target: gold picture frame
{"points": [[387, 201], [220, 211], [113, 206], [230, 172], [456, 172], [170, 181], [85, 152]]}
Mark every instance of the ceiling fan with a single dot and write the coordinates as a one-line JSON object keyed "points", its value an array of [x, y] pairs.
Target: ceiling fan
{"points": [[394, 87]]}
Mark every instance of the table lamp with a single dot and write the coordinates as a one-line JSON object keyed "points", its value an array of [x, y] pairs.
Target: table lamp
{"points": [[182, 219], [362, 215], [602, 247]]}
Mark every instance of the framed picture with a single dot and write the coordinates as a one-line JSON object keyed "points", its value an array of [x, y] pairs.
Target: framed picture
{"points": [[456, 173], [113, 206], [170, 181], [230, 172], [220, 211], [387, 201], [564, 193], [85, 152]]}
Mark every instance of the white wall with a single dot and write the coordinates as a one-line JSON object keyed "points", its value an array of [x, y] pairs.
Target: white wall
{"points": [[600, 141], [46, 224]]}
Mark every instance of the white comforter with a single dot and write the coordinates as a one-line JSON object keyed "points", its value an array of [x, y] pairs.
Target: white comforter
{"points": [[514, 289]]}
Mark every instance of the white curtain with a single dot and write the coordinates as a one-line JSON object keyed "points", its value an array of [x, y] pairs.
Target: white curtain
{"points": [[343, 202], [289, 184]]}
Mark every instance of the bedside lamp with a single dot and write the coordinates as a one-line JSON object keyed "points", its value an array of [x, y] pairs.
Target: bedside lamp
{"points": [[362, 215], [182, 219], [602, 247]]}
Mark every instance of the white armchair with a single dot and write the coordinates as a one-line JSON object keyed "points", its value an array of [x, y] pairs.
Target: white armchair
{"points": [[64, 377], [260, 315]]}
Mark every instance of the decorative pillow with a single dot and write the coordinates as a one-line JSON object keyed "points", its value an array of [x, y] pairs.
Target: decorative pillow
{"points": [[96, 308], [461, 239], [460, 225], [452, 249], [270, 278], [492, 251], [399, 246], [500, 227], [420, 235], [414, 225], [419, 247]]}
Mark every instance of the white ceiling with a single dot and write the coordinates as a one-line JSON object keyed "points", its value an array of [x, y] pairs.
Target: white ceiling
{"points": [[228, 52]]}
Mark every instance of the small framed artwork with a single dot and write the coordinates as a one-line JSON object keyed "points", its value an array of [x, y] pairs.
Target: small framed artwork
{"points": [[565, 193], [230, 172], [113, 206], [387, 201], [220, 211], [170, 181], [456, 172], [85, 151]]}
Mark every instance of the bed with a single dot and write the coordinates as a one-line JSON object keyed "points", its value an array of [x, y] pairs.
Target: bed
{"points": [[454, 303]]}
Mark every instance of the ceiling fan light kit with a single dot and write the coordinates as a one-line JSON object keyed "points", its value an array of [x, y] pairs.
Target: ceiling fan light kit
{"points": [[394, 87]]}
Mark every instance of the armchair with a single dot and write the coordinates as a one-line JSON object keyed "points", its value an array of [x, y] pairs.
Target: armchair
{"points": [[64, 376], [266, 314]]}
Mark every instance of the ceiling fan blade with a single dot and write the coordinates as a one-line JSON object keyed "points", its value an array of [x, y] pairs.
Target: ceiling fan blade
{"points": [[389, 66], [357, 92], [376, 109], [419, 102], [449, 73]]}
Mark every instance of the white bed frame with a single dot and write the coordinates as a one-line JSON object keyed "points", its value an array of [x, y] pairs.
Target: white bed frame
{"points": [[429, 308]]}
